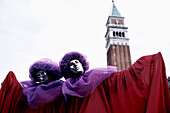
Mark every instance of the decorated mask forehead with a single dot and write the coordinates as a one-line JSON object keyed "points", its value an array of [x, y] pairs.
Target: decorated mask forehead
{"points": [[75, 62], [76, 66]]}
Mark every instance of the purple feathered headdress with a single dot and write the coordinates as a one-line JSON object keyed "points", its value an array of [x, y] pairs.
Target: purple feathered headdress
{"points": [[47, 65], [64, 63]]}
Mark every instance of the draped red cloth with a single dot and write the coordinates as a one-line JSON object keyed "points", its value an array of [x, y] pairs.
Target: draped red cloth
{"points": [[142, 88], [12, 99]]}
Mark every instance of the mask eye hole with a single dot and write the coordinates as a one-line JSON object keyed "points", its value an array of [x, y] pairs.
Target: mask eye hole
{"points": [[71, 63], [76, 61]]}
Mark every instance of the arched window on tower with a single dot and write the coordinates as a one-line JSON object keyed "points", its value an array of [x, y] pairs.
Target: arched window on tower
{"points": [[123, 34], [120, 34], [113, 33], [116, 33]]}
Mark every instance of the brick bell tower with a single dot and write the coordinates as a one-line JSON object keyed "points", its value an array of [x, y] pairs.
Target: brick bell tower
{"points": [[117, 41]]}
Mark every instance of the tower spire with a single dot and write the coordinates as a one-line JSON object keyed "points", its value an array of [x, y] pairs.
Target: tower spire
{"points": [[114, 10]]}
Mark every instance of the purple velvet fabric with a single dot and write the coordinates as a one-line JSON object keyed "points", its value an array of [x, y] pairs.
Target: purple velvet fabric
{"points": [[86, 83], [66, 60]]}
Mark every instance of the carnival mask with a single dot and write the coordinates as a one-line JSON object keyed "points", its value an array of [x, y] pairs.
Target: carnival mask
{"points": [[42, 77], [76, 67]]}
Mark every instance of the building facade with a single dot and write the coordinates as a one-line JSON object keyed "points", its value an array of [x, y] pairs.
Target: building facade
{"points": [[117, 41]]}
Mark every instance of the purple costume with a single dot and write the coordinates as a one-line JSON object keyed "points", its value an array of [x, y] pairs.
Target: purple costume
{"points": [[75, 84], [82, 85], [86, 84], [38, 94]]}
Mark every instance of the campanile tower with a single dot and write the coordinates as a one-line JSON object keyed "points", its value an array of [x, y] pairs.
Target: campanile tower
{"points": [[117, 41]]}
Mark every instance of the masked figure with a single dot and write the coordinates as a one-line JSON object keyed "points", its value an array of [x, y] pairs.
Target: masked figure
{"points": [[80, 82], [45, 83], [76, 67], [73, 65]]}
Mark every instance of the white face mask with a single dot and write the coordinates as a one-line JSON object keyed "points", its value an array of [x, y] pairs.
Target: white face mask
{"points": [[76, 66], [42, 76]]}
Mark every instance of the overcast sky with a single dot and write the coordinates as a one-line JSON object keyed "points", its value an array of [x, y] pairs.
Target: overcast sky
{"points": [[35, 29]]}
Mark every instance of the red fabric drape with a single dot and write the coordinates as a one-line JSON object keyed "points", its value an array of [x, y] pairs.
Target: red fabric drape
{"points": [[142, 88], [12, 99], [10, 93]]}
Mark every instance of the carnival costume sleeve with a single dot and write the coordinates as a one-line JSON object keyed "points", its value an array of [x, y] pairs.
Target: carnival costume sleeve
{"points": [[10, 93], [12, 99], [142, 88], [86, 84]]}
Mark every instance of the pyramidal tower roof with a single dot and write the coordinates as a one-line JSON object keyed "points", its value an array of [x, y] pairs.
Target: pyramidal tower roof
{"points": [[114, 10]]}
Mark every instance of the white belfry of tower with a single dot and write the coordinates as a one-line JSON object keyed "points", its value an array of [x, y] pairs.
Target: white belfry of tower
{"points": [[117, 41]]}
